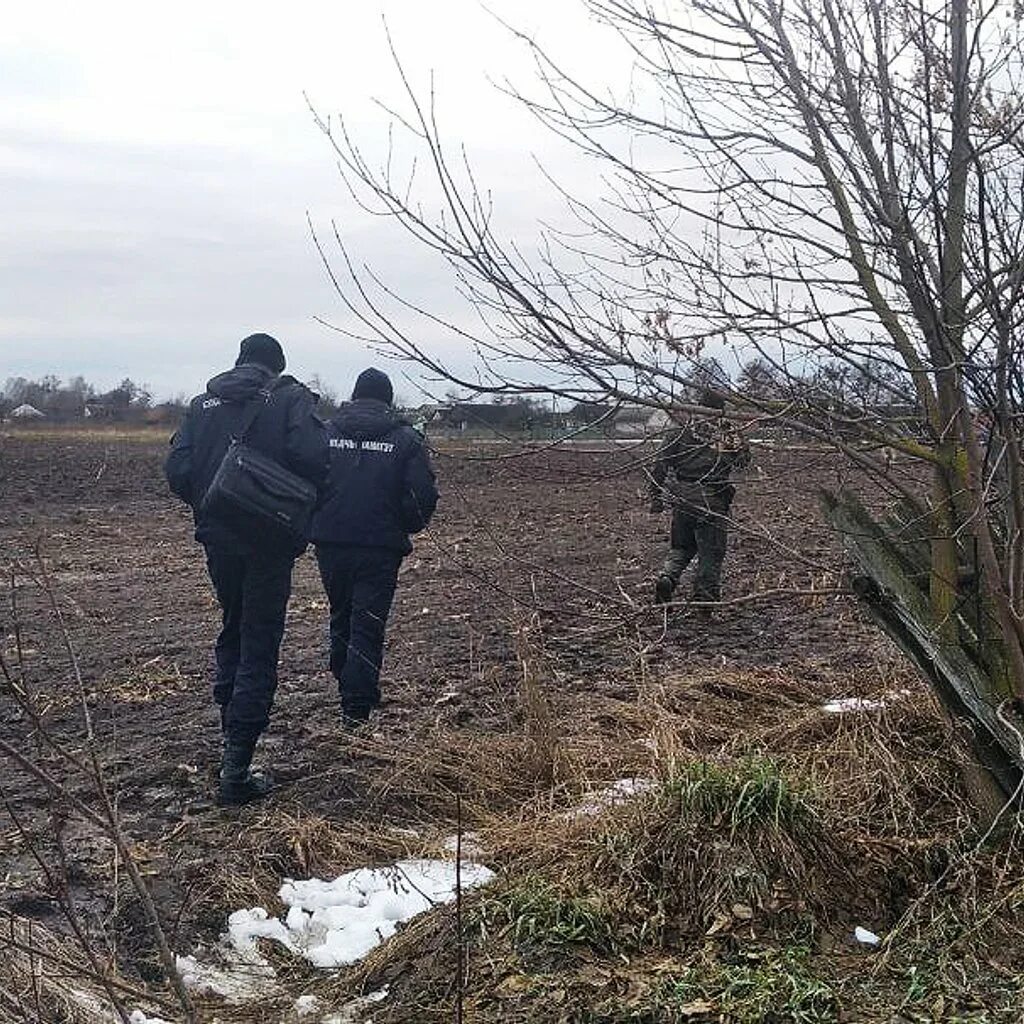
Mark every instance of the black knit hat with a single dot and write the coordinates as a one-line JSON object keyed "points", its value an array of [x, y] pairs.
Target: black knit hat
{"points": [[262, 349], [373, 383]]}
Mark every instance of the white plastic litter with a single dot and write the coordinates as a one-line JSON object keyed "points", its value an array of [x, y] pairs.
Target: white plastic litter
{"points": [[863, 935]]}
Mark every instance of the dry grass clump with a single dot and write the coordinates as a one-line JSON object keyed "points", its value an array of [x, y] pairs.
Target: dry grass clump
{"points": [[727, 887], [723, 884], [45, 976], [715, 841], [708, 849]]}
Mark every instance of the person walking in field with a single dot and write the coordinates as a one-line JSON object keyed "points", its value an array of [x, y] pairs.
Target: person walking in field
{"points": [[701, 456], [380, 490], [250, 564]]}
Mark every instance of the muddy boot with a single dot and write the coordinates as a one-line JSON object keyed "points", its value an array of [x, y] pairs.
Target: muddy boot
{"points": [[663, 589], [238, 784], [703, 608], [355, 719]]}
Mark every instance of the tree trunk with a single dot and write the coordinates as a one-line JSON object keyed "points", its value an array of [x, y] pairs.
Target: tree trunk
{"points": [[964, 673]]}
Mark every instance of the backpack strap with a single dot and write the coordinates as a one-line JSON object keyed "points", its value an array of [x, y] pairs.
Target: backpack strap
{"points": [[251, 413]]}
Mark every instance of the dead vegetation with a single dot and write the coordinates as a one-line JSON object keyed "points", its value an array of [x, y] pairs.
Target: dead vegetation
{"points": [[721, 883], [724, 884], [656, 863]]}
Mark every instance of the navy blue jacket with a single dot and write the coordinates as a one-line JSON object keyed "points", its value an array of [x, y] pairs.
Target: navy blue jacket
{"points": [[381, 486], [286, 429]]}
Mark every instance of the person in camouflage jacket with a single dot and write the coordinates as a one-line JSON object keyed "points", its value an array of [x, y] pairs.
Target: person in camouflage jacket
{"points": [[701, 456]]}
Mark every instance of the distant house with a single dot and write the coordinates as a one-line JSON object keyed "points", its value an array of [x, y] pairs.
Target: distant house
{"points": [[631, 421], [422, 416], [658, 421], [518, 418], [103, 409], [587, 414], [27, 412], [628, 421], [477, 417]]}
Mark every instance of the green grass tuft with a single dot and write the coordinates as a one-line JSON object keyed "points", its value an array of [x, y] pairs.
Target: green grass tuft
{"points": [[534, 916], [746, 794], [771, 987]]}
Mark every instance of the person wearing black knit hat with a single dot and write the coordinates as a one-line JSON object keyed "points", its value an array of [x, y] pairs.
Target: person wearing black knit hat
{"points": [[380, 489], [263, 350], [251, 572], [374, 383]]}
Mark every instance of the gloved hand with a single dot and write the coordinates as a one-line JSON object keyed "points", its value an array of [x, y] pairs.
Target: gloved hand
{"points": [[657, 506]]}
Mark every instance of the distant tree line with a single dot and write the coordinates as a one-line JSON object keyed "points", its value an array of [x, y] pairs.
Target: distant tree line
{"points": [[77, 398], [852, 390]]}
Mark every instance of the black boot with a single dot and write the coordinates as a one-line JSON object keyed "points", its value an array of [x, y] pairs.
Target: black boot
{"points": [[664, 586], [704, 601], [355, 719], [239, 785]]}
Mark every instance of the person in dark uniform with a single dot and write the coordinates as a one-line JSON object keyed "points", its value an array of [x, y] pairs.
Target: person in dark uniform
{"points": [[251, 573], [701, 456], [380, 490]]}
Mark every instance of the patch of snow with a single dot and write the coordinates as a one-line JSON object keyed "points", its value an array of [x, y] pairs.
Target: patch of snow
{"points": [[139, 1017], [866, 937], [618, 792], [336, 923], [87, 1001], [843, 704], [471, 846], [239, 977], [330, 924], [305, 1005], [246, 926], [412, 833], [347, 1014]]}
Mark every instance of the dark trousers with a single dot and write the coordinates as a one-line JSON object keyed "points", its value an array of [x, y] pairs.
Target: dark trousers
{"points": [[702, 535], [360, 584], [253, 591]]}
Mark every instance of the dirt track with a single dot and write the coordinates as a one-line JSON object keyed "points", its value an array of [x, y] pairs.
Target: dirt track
{"points": [[559, 543]]}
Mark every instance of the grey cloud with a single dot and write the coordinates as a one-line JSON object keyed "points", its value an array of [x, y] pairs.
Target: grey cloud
{"points": [[156, 269]]}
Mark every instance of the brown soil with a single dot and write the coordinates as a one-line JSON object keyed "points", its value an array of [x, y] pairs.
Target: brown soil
{"points": [[557, 547]]}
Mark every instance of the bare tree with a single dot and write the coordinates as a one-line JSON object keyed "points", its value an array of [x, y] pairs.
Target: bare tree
{"points": [[833, 189]]}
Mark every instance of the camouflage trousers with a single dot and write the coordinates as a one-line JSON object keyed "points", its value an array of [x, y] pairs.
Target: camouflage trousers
{"points": [[702, 536]]}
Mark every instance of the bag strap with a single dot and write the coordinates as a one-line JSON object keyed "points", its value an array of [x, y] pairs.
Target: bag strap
{"points": [[253, 408]]}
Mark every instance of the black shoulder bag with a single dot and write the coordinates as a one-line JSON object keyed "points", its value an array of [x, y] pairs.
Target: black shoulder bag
{"points": [[252, 491]]}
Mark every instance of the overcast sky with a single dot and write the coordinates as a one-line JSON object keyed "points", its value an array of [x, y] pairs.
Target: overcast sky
{"points": [[157, 163]]}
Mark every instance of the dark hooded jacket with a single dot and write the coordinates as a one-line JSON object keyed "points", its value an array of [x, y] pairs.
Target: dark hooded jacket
{"points": [[381, 485], [286, 429], [702, 455]]}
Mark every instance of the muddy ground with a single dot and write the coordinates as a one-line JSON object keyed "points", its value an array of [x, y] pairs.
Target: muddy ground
{"points": [[554, 547]]}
